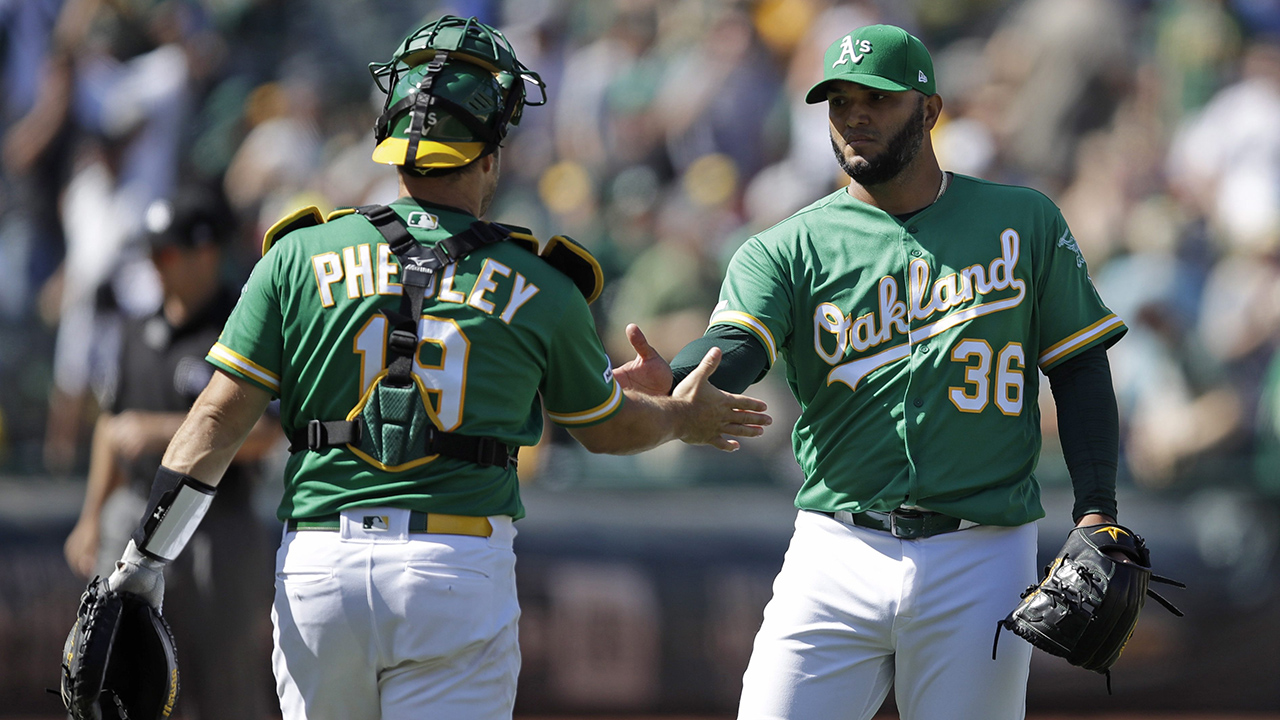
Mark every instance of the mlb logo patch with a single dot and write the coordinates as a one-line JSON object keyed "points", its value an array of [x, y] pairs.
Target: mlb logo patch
{"points": [[377, 522], [422, 220]]}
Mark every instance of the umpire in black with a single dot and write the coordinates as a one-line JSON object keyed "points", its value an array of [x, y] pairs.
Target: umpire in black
{"points": [[219, 591]]}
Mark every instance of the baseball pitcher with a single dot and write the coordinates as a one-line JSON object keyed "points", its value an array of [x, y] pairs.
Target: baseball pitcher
{"points": [[914, 310]]}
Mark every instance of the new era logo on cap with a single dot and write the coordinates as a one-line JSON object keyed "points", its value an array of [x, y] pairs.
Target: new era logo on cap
{"points": [[883, 57]]}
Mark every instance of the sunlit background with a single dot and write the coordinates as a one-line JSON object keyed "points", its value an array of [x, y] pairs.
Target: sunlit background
{"points": [[674, 130]]}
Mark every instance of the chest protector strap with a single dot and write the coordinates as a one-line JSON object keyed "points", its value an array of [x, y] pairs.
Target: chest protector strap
{"points": [[418, 264]]}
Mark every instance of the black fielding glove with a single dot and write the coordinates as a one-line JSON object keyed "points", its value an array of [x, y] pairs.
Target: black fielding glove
{"points": [[1087, 605]]}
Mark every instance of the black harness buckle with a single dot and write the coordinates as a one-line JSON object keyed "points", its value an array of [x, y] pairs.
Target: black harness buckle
{"points": [[317, 436], [402, 343]]}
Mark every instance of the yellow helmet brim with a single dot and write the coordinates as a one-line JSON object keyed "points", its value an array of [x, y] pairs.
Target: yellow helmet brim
{"points": [[431, 154]]}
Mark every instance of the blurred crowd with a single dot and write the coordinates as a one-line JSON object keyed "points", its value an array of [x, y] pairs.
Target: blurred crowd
{"points": [[674, 130]]}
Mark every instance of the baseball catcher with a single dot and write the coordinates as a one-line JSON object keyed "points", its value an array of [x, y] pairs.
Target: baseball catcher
{"points": [[1087, 606]]}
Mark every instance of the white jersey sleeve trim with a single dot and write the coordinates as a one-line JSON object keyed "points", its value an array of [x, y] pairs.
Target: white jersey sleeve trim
{"points": [[595, 413], [734, 317], [1080, 339]]}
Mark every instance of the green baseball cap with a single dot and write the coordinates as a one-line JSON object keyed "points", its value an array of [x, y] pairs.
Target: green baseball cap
{"points": [[884, 57]]}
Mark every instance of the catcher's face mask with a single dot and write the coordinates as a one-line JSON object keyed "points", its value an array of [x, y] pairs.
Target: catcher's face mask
{"points": [[453, 88]]}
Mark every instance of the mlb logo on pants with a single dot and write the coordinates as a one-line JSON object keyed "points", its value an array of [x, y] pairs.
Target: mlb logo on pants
{"points": [[376, 522]]}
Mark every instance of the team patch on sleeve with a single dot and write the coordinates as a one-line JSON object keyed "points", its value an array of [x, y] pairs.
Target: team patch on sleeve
{"points": [[1080, 340], [753, 324], [595, 414], [229, 359]]}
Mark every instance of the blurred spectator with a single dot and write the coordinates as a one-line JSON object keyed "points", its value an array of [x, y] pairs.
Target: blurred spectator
{"points": [[721, 93], [1224, 160], [219, 591], [268, 176], [1066, 65], [130, 100], [34, 117]]}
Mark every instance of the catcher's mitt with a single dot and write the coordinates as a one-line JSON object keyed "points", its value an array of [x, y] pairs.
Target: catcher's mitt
{"points": [[1086, 607], [118, 662]]}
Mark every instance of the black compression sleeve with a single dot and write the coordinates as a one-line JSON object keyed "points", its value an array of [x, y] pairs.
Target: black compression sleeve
{"points": [[745, 359], [1089, 428]]}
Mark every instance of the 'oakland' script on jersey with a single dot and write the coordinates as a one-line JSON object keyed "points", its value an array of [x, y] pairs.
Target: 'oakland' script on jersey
{"points": [[924, 299]]}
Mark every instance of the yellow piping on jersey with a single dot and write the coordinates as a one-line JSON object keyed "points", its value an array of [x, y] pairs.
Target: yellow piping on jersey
{"points": [[245, 365], [595, 413], [1076, 340], [751, 323]]}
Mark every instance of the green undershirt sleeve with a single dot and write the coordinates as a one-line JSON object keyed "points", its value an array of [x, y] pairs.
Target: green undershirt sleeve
{"points": [[1089, 429], [745, 359]]}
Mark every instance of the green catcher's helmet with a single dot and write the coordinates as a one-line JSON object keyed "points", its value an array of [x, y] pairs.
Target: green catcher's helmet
{"points": [[453, 88]]}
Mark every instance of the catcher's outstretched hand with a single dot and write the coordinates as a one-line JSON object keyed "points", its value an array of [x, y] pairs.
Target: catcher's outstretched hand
{"points": [[714, 417], [648, 372]]}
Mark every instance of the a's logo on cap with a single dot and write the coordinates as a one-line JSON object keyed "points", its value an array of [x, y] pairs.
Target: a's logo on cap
{"points": [[847, 51], [922, 78]]}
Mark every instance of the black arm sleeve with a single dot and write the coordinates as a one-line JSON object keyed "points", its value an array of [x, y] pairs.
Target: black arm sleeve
{"points": [[745, 359], [1089, 428]]}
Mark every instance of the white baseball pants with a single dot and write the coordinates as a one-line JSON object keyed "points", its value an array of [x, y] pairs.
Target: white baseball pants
{"points": [[855, 611], [395, 625]]}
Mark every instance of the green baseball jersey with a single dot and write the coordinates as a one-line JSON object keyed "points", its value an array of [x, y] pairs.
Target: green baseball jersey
{"points": [[912, 345], [502, 333]]}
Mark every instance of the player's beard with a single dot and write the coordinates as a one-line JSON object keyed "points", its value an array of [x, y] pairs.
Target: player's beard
{"points": [[901, 150]]}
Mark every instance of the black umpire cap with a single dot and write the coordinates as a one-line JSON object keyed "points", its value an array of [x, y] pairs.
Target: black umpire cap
{"points": [[193, 217]]}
